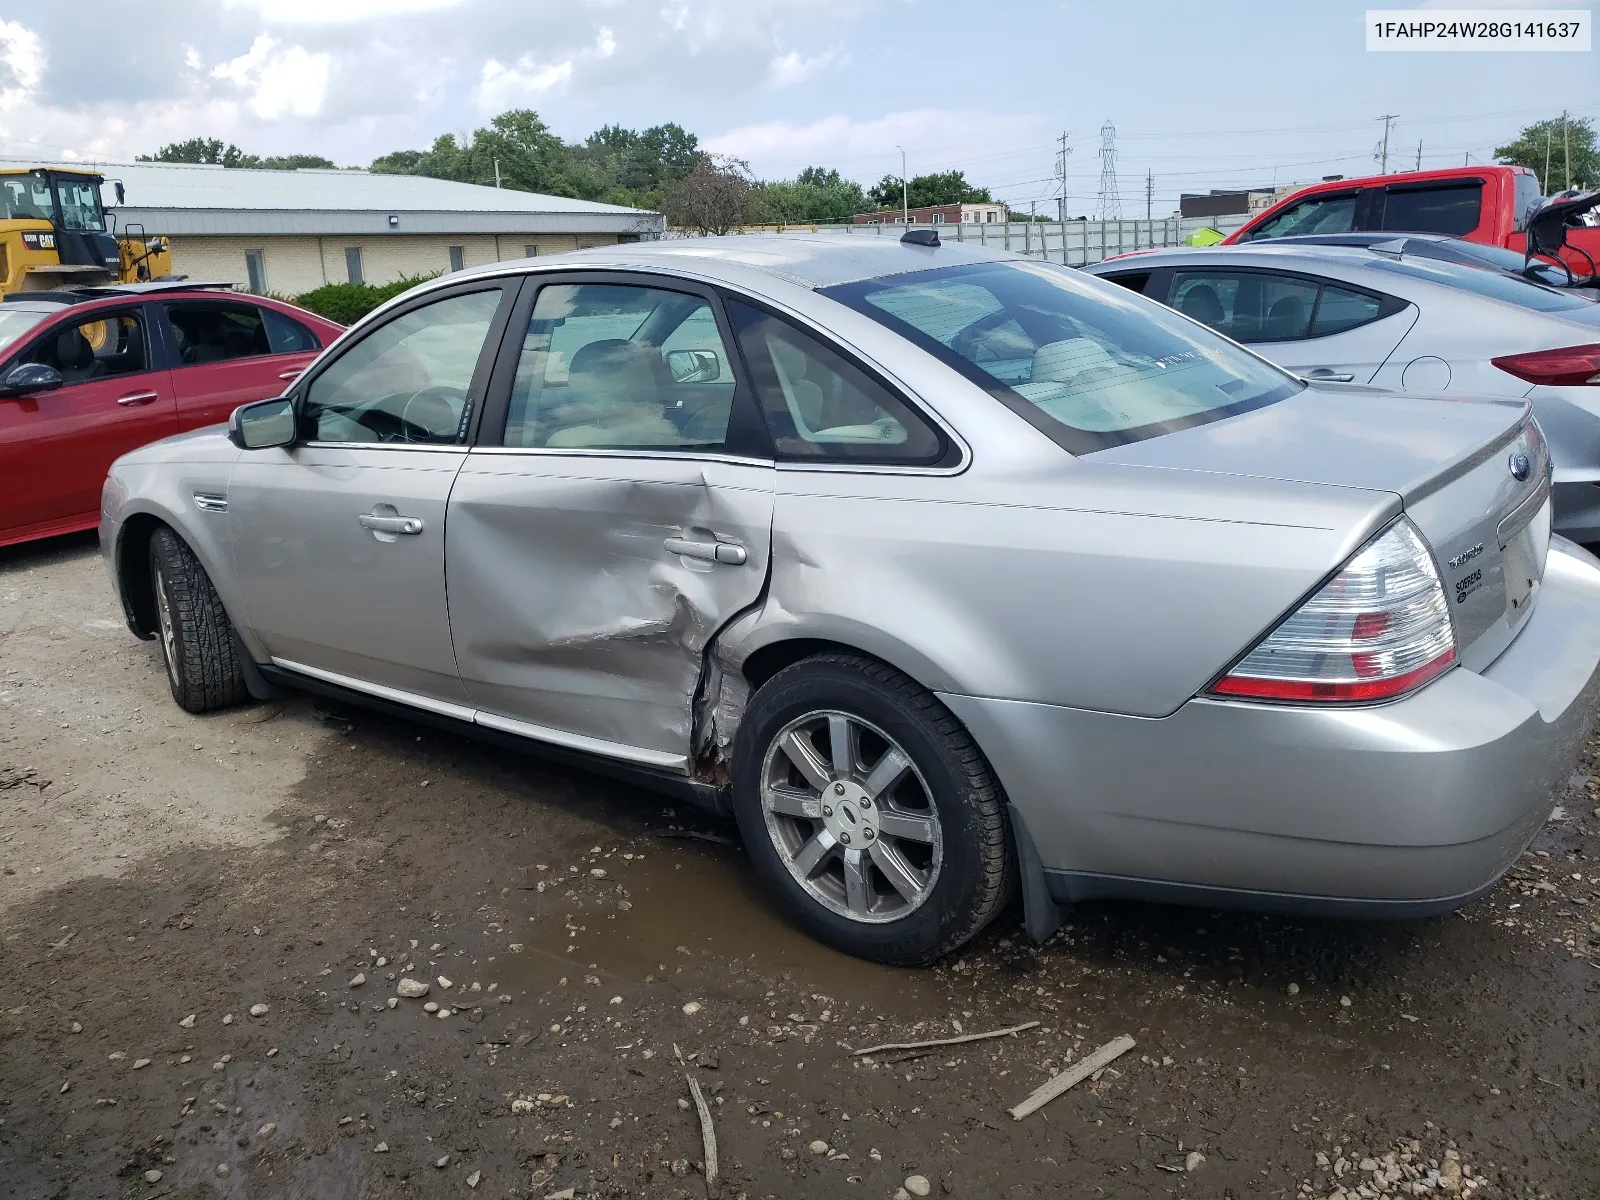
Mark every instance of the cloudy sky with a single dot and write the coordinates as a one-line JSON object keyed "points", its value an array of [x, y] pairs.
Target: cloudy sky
{"points": [[1201, 95]]}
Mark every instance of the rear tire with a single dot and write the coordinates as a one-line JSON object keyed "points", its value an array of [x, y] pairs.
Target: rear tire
{"points": [[196, 637], [869, 812]]}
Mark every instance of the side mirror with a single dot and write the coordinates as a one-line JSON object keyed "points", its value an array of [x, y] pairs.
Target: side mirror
{"points": [[26, 378], [262, 425], [693, 366]]}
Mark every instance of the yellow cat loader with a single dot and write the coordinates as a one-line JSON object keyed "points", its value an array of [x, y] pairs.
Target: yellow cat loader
{"points": [[54, 234]]}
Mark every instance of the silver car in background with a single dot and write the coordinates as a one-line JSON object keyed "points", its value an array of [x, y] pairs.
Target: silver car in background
{"points": [[1392, 319], [945, 572]]}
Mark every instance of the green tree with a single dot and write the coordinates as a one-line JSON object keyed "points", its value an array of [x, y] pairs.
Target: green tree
{"points": [[945, 187], [210, 151], [815, 196], [1569, 145], [712, 198], [293, 162]]}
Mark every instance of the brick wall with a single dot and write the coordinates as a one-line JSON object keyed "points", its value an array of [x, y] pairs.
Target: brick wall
{"points": [[298, 264]]}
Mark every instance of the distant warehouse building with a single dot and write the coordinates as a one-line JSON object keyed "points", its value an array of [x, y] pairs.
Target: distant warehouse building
{"points": [[291, 231]]}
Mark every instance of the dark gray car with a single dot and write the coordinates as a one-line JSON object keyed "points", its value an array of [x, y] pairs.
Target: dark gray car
{"points": [[941, 570]]}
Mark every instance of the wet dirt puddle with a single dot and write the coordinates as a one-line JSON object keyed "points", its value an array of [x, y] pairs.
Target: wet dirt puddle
{"points": [[680, 905]]}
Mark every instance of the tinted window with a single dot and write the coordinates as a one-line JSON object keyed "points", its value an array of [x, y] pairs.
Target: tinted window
{"points": [[407, 380], [96, 347], [1134, 281], [1339, 309], [285, 335], [1247, 306], [1319, 214], [819, 406], [1452, 209], [1524, 293], [1092, 366], [207, 332], [610, 367]]}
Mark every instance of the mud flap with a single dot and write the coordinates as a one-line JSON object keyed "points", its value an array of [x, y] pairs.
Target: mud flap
{"points": [[1041, 916], [254, 681]]}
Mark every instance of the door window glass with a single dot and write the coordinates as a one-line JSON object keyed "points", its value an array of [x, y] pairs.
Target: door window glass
{"points": [[1451, 210], [211, 332], [1247, 307], [1318, 214], [285, 335], [406, 381], [1339, 309], [96, 347], [612, 367], [80, 205], [820, 407]]}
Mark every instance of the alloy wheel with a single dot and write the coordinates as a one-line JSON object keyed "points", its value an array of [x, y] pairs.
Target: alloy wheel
{"points": [[851, 817], [169, 640]]}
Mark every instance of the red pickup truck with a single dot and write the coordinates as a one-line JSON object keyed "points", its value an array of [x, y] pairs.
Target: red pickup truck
{"points": [[1489, 204]]}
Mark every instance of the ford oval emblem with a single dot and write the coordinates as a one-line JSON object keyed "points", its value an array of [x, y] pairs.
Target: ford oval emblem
{"points": [[1521, 468]]}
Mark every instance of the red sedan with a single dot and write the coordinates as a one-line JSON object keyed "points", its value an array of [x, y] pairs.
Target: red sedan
{"points": [[86, 376]]}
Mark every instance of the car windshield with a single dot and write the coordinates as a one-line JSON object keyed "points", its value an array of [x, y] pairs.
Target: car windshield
{"points": [[1493, 285], [1088, 363], [16, 321]]}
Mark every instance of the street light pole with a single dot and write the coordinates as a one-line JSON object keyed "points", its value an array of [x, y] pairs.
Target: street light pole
{"points": [[905, 194]]}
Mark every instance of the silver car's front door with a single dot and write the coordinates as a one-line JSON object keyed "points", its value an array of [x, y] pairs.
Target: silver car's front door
{"points": [[593, 554], [339, 540]]}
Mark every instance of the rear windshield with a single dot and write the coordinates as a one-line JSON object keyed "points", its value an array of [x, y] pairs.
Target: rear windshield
{"points": [[1524, 293], [1089, 363]]}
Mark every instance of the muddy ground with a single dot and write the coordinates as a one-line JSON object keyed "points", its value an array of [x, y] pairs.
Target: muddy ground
{"points": [[164, 876]]}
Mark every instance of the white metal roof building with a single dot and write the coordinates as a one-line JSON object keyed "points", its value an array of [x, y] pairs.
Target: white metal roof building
{"points": [[291, 231]]}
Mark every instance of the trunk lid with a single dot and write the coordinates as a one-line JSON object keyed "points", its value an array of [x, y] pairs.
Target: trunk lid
{"points": [[1449, 460]]}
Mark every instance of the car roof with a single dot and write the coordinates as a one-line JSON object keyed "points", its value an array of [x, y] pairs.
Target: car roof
{"points": [[811, 260], [1250, 254]]}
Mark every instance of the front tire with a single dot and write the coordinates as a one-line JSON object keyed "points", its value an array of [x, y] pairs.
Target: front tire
{"points": [[196, 637], [869, 812]]}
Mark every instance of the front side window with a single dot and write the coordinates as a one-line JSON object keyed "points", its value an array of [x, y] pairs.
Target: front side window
{"points": [[1318, 214], [80, 205], [820, 407], [28, 197], [407, 381], [1452, 209], [97, 347], [1088, 363], [208, 332], [1526, 200], [16, 322], [624, 368]]}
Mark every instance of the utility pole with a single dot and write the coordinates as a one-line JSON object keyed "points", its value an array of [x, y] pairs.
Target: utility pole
{"points": [[497, 172], [1566, 146], [1061, 172], [1544, 184], [1387, 119], [1419, 154], [1149, 192], [905, 194]]}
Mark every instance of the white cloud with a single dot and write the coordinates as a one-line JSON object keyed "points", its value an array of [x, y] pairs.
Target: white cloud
{"points": [[605, 43], [292, 81], [935, 140], [793, 67], [22, 56], [501, 87], [336, 12]]}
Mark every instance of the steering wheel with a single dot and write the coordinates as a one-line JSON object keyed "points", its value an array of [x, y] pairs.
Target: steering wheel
{"points": [[431, 414]]}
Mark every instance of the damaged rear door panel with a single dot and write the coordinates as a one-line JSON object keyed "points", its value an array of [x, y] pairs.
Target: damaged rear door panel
{"points": [[585, 589]]}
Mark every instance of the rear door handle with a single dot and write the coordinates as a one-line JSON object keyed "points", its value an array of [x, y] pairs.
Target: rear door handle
{"points": [[728, 553], [410, 525], [1328, 375], [134, 399]]}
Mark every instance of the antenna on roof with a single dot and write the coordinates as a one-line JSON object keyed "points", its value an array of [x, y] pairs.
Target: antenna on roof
{"points": [[920, 237]]}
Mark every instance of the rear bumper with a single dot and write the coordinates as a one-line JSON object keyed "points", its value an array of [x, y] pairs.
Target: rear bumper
{"points": [[1401, 809]]}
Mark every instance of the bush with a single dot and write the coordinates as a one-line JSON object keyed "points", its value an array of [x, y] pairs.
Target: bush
{"points": [[347, 303]]}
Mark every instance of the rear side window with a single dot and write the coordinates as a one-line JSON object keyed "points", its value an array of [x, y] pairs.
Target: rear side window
{"points": [[206, 332], [1255, 306], [1316, 214], [1452, 209], [285, 335], [1134, 281], [819, 406]]}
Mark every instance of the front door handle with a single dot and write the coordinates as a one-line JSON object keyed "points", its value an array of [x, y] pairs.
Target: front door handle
{"points": [[729, 554], [292, 374], [381, 524], [1328, 375], [134, 399]]}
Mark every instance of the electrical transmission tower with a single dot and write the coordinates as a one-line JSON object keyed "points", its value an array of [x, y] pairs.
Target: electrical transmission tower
{"points": [[1110, 205]]}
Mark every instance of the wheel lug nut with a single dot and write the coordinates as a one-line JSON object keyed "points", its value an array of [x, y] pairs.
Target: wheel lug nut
{"points": [[826, 811], [845, 838], [866, 802], [867, 833], [838, 789]]}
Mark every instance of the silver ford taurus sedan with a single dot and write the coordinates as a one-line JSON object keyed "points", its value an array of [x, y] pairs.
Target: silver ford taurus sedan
{"points": [[949, 574]]}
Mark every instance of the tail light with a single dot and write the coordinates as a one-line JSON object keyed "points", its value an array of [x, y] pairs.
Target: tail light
{"points": [[1378, 629], [1568, 365]]}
